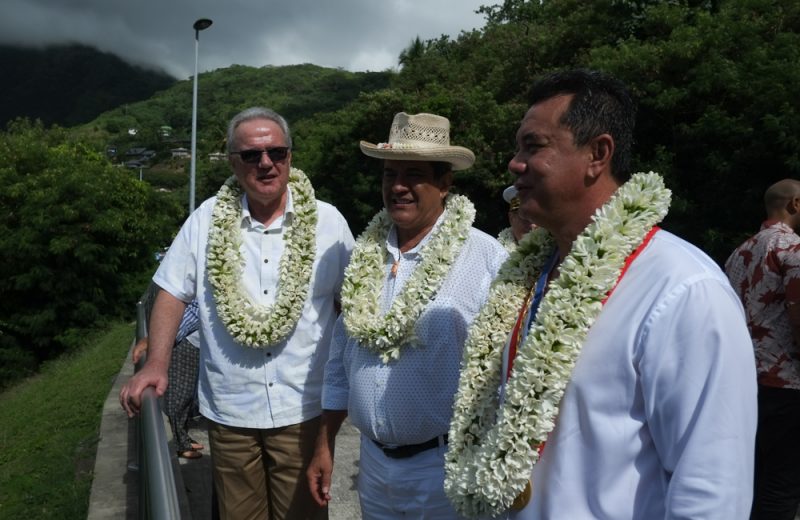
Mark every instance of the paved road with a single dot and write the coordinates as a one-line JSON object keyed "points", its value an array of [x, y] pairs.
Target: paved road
{"points": [[115, 486]]}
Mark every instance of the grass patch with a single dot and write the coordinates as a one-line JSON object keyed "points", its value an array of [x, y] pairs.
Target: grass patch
{"points": [[49, 429]]}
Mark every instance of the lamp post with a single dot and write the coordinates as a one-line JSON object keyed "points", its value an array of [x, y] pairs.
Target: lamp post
{"points": [[199, 25]]}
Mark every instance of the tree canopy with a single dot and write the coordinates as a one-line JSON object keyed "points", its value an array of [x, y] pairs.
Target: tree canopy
{"points": [[715, 82], [77, 236]]}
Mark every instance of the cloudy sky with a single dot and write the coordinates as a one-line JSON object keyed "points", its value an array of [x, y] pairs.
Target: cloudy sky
{"points": [[351, 34]]}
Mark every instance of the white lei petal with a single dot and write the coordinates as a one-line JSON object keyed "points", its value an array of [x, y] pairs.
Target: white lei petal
{"points": [[507, 240], [247, 322], [365, 276], [491, 452]]}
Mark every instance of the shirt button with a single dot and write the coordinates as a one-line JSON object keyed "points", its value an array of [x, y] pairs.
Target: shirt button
{"points": [[266, 260], [265, 291], [270, 384], [269, 354]]}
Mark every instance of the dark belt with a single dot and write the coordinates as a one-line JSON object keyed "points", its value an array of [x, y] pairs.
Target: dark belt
{"points": [[409, 450]]}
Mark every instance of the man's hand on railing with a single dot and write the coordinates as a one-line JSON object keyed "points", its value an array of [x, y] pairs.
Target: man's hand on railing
{"points": [[130, 397]]}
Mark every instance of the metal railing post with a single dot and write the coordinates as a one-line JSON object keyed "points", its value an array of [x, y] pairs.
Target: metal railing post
{"points": [[158, 497]]}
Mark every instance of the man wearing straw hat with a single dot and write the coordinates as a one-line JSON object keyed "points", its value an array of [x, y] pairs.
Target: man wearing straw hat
{"points": [[418, 275]]}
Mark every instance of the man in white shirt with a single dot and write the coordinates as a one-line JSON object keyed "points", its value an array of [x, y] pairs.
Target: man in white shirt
{"points": [[417, 276], [627, 379], [265, 261]]}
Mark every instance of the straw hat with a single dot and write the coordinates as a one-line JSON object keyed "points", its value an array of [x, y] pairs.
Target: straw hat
{"points": [[510, 195], [420, 137]]}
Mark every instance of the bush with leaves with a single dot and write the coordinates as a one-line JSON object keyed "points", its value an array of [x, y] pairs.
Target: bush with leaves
{"points": [[77, 237]]}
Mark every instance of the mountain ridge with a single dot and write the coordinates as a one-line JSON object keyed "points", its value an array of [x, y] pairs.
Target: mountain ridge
{"points": [[70, 84]]}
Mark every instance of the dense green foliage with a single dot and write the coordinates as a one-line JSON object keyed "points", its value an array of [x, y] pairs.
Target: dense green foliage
{"points": [[69, 84], [49, 429], [77, 237], [714, 80]]}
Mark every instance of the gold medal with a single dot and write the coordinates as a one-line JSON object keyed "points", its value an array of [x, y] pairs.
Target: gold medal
{"points": [[523, 498]]}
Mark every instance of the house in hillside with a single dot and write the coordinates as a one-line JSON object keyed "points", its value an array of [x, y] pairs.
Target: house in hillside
{"points": [[180, 153], [136, 151], [216, 156]]}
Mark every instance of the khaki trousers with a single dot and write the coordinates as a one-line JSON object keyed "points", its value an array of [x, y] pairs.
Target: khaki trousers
{"points": [[260, 474]]}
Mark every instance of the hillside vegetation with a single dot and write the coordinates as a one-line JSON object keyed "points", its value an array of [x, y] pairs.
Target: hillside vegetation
{"points": [[50, 426], [69, 84], [719, 118]]}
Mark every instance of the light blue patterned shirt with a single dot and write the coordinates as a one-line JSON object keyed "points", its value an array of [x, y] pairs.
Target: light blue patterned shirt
{"points": [[190, 322], [410, 399]]}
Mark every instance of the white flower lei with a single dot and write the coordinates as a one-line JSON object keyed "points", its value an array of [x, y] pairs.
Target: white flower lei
{"points": [[507, 240], [364, 278], [491, 452], [249, 323]]}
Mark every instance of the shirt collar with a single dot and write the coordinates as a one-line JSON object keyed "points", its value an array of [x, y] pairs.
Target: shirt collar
{"points": [[777, 223], [391, 239], [288, 213]]}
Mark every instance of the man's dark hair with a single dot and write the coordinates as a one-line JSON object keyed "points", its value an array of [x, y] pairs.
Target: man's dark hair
{"points": [[601, 104]]}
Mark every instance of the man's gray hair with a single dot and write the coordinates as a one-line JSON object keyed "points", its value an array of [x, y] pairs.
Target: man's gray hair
{"points": [[257, 113]]}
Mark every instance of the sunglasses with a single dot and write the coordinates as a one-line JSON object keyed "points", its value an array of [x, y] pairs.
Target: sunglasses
{"points": [[254, 156]]}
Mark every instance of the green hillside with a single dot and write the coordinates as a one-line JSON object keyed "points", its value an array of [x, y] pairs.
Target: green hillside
{"points": [[69, 84], [163, 123], [50, 427]]}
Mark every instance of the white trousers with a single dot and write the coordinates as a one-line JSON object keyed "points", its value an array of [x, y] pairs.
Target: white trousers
{"points": [[411, 488]]}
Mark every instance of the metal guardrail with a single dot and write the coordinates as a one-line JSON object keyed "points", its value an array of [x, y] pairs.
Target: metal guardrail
{"points": [[158, 496]]}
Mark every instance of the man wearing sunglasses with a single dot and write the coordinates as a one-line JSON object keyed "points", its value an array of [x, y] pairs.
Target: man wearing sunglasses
{"points": [[265, 261]]}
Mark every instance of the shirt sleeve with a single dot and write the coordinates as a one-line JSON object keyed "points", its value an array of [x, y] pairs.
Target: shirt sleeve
{"points": [[335, 388], [789, 260], [697, 374], [177, 273]]}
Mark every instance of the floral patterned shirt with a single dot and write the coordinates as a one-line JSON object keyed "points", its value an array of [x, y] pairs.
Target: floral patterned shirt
{"points": [[765, 272]]}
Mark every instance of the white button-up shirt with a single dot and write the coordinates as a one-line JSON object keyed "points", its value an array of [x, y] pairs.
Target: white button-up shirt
{"points": [[281, 384], [659, 417], [410, 400]]}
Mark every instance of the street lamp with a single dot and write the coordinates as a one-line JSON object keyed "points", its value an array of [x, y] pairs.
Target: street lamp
{"points": [[199, 25]]}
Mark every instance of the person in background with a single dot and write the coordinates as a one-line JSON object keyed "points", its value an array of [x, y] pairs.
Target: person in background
{"points": [[265, 261], [765, 272], [519, 225], [180, 398], [626, 376], [418, 275]]}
